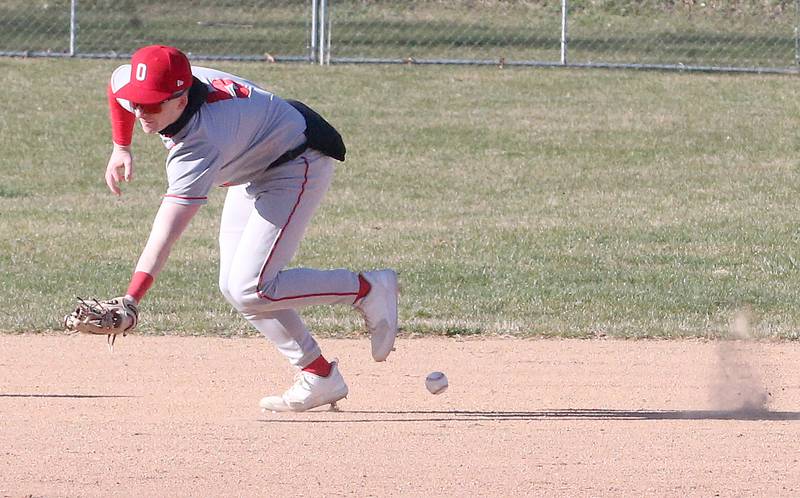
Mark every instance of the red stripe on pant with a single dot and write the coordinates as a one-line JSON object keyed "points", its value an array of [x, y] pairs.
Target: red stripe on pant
{"points": [[261, 295]]}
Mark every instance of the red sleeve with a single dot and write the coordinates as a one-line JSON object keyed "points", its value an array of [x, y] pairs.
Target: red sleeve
{"points": [[122, 121]]}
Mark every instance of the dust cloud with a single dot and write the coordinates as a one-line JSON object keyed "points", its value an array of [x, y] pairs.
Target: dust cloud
{"points": [[738, 387]]}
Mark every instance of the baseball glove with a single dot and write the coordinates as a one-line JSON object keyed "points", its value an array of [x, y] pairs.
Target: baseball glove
{"points": [[109, 318]]}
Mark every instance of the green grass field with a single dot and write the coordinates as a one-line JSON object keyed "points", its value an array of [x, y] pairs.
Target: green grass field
{"points": [[515, 201]]}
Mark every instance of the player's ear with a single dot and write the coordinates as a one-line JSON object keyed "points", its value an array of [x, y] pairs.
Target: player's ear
{"points": [[183, 100]]}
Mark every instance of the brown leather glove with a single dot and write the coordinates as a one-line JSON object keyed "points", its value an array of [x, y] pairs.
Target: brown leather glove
{"points": [[109, 318]]}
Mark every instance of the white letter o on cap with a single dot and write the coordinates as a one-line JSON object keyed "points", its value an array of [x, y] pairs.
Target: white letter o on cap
{"points": [[141, 71]]}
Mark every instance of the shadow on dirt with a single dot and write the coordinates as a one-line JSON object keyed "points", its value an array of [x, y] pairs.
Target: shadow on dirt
{"points": [[72, 396], [377, 416]]}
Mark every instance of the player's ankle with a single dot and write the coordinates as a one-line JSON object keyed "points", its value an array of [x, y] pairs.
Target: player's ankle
{"points": [[319, 367]]}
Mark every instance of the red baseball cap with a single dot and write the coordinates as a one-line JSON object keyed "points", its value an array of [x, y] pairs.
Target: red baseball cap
{"points": [[157, 73]]}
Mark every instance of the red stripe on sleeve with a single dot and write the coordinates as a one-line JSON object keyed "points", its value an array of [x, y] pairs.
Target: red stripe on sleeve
{"points": [[122, 121]]}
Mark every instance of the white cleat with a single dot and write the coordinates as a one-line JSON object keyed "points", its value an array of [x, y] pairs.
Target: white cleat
{"points": [[309, 391], [379, 309]]}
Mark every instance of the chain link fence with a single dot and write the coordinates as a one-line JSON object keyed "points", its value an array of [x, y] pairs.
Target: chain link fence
{"points": [[735, 35], [240, 29]]}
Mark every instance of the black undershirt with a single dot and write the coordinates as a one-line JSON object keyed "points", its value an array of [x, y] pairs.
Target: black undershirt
{"points": [[197, 97]]}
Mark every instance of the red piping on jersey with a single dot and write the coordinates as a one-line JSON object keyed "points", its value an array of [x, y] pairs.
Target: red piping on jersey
{"points": [[277, 241], [186, 198]]}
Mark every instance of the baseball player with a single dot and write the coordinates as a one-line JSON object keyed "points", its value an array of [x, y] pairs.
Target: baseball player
{"points": [[276, 159]]}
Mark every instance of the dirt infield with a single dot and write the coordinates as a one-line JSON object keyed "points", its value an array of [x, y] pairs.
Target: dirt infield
{"points": [[172, 416]]}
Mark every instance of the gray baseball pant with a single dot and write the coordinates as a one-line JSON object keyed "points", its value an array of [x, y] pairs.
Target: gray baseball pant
{"points": [[260, 231]]}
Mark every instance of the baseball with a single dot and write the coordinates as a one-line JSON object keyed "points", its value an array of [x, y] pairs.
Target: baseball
{"points": [[436, 382]]}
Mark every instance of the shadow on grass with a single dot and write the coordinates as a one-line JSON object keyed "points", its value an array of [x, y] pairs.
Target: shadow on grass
{"points": [[379, 416]]}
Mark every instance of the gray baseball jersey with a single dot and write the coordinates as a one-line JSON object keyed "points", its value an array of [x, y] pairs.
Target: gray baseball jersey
{"points": [[231, 140]]}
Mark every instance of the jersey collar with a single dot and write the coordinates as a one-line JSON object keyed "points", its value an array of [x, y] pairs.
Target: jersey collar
{"points": [[197, 97]]}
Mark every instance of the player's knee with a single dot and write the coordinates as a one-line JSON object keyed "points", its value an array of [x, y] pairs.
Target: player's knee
{"points": [[243, 295], [240, 298]]}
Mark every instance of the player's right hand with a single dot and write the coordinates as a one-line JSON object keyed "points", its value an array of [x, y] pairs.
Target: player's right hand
{"points": [[120, 168]]}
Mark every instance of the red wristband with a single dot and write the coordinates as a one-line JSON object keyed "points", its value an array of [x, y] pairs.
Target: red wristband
{"points": [[140, 283]]}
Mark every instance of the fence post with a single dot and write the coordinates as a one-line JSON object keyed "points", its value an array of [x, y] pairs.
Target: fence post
{"points": [[564, 32], [322, 32], [73, 27], [796, 33], [328, 44], [312, 55]]}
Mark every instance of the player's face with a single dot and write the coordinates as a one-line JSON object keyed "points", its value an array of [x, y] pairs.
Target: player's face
{"points": [[156, 117]]}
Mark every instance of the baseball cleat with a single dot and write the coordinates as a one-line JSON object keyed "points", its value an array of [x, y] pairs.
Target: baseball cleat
{"points": [[379, 309], [309, 391]]}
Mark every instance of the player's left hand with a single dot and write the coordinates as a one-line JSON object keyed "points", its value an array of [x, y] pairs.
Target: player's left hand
{"points": [[119, 168]]}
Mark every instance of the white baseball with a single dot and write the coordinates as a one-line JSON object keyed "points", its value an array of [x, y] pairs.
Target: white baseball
{"points": [[436, 382]]}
